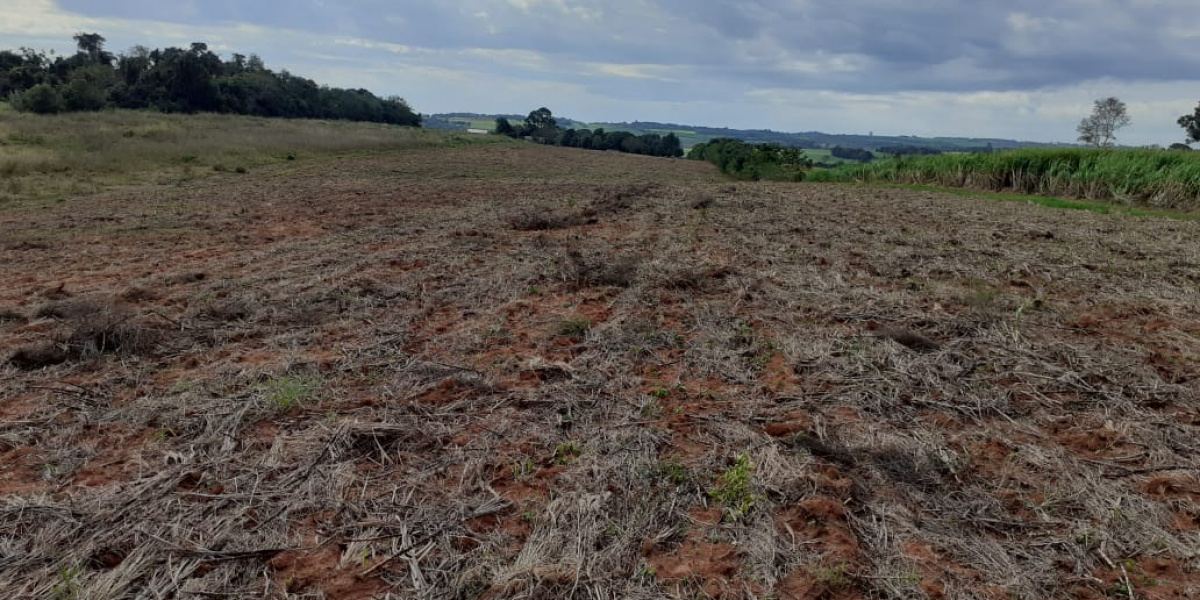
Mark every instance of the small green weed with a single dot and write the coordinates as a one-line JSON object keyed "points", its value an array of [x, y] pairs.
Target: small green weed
{"points": [[674, 471], [833, 578], [68, 583], [523, 469], [733, 489], [647, 572], [567, 452], [652, 410], [289, 391]]}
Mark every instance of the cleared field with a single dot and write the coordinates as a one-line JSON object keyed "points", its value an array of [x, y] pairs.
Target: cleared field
{"points": [[531, 372]]}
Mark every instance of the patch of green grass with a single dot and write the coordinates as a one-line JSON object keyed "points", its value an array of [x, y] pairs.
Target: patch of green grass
{"points": [[734, 490], [290, 391]]}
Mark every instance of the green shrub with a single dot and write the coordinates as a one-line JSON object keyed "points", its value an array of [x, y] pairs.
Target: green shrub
{"points": [[41, 99], [754, 162]]}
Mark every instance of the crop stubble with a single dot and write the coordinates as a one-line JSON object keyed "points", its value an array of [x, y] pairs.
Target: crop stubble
{"points": [[369, 378]]}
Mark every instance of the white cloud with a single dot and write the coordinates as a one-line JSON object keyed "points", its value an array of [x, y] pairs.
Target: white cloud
{"points": [[653, 72]]}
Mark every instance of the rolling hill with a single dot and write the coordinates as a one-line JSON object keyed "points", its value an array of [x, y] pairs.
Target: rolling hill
{"points": [[691, 135]]}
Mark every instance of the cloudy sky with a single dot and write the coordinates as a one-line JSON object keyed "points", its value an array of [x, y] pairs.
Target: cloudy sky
{"points": [[1024, 69]]}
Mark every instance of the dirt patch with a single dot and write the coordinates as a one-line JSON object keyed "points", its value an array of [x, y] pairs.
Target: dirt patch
{"points": [[320, 571]]}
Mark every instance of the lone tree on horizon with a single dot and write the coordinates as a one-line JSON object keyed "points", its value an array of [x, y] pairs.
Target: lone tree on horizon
{"points": [[1099, 129], [1191, 125]]}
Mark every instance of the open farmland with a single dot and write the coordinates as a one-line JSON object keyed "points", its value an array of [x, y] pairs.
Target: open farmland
{"points": [[520, 371]]}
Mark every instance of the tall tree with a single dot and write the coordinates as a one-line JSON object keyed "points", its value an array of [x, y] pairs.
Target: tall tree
{"points": [[92, 46], [503, 127], [1099, 129], [1191, 125], [181, 80], [541, 118]]}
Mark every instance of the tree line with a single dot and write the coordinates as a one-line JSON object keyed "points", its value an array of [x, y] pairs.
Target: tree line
{"points": [[185, 80], [852, 154], [753, 161], [541, 127]]}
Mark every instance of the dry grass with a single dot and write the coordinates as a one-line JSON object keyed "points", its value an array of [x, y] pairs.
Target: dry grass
{"points": [[374, 387], [59, 156]]}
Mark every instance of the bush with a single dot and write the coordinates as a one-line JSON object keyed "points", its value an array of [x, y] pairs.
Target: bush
{"points": [[41, 99], [753, 161], [88, 88]]}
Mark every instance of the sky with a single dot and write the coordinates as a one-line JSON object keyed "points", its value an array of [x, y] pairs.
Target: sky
{"points": [[1016, 69]]}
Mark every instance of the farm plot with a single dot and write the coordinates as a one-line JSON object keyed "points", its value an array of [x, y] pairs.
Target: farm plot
{"points": [[531, 372]]}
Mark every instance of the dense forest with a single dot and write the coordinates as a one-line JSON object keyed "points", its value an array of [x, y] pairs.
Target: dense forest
{"points": [[753, 161], [180, 80], [541, 127]]}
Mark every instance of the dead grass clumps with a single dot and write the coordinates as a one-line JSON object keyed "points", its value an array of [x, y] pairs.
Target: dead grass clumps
{"points": [[37, 356], [599, 271], [546, 220], [622, 198], [136, 294], [696, 279], [223, 311], [576, 326], [93, 327], [909, 339], [7, 315]]}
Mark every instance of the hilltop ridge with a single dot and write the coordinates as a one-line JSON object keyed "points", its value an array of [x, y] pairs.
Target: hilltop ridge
{"points": [[691, 135]]}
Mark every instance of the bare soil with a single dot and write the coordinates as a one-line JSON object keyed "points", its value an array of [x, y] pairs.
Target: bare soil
{"points": [[521, 372]]}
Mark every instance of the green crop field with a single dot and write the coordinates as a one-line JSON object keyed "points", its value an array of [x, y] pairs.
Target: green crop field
{"points": [[1155, 178]]}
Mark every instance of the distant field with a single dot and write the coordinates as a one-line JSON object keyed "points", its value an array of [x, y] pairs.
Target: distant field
{"points": [[826, 156], [488, 124], [404, 366], [1154, 178], [79, 153]]}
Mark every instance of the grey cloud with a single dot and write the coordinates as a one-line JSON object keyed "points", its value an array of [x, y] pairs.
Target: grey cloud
{"points": [[915, 45]]}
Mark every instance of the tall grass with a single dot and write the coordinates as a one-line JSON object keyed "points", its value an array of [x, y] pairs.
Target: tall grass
{"points": [[48, 156], [1156, 178]]}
